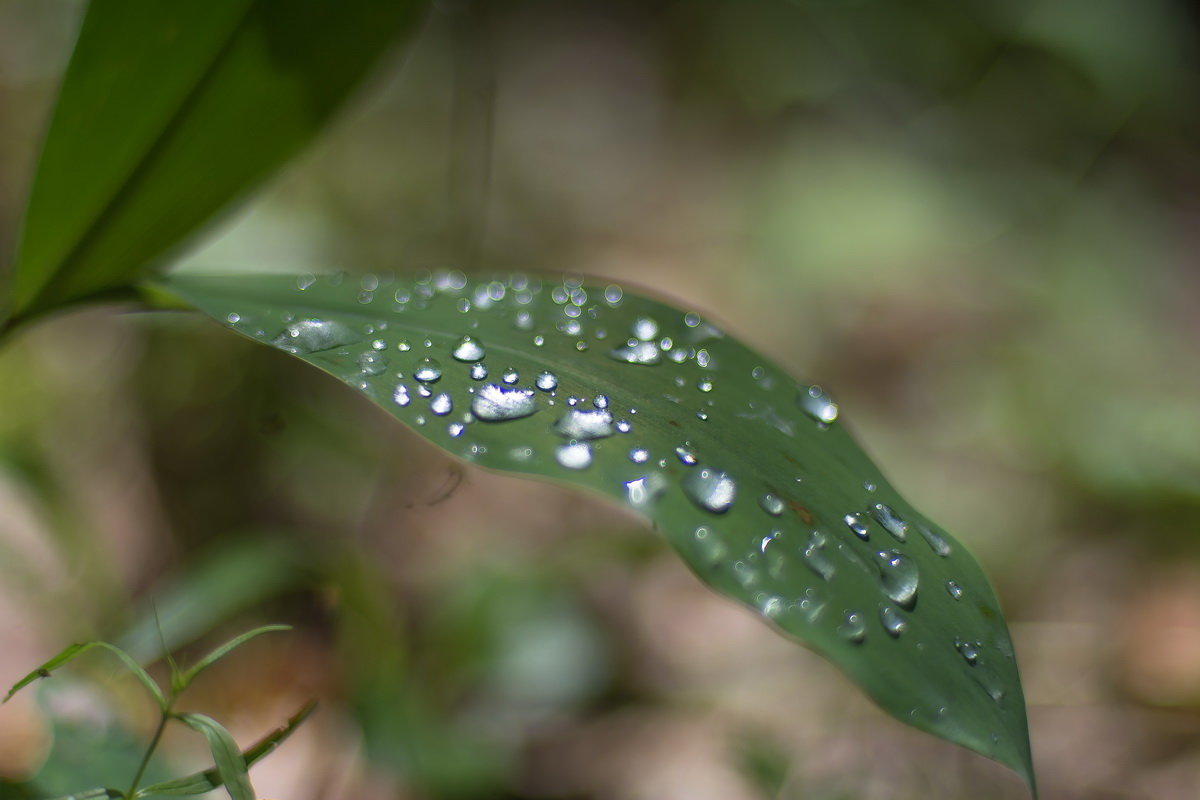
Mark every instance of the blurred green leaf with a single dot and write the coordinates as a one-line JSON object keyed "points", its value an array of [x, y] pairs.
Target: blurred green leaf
{"points": [[170, 110], [227, 756], [751, 476], [91, 794], [72, 652], [216, 655], [206, 781]]}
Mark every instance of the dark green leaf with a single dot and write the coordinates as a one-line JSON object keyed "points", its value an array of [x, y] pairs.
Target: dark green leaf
{"points": [[170, 110], [227, 756], [201, 782], [216, 655], [752, 477], [75, 650]]}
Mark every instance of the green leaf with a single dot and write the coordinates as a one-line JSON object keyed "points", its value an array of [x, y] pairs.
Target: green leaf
{"points": [[216, 655], [93, 794], [230, 764], [752, 477], [71, 652], [206, 781], [167, 112]]}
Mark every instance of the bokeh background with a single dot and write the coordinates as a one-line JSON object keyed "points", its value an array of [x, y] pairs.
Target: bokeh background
{"points": [[975, 222]]}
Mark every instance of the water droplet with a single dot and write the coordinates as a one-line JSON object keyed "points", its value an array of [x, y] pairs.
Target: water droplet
{"points": [[771, 504], [478, 372], [315, 335], [646, 489], [890, 520], [936, 543], [547, 381], [703, 359], [523, 321], [233, 318], [899, 575], [645, 329], [691, 319], [954, 589], [575, 455], [853, 629], [468, 349], [686, 455], [624, 426], [637, 353], [892, 620], [495, 403], [306, 280], [372, 363], [870, 487], [816, 560], [539, 340], [589, 424], [712, 548], [600, 401], [403, 346], [441, 404], [424, 390], [857, 523], [710, 489], [968, 650], [510, 376], [379, 344], [705, 385], [455, 429], [639, 455], [428, 370], [401, 397], [817, 404], [613, 294]]}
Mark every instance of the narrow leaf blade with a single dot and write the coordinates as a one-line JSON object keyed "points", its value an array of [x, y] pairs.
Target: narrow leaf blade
{"points": [[73, 651], [216, 655], [231, 766], [751, 476], [186, 105]]}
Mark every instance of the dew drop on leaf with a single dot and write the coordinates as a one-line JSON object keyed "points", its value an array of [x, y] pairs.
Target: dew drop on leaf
{"points": [[771, 504], [468, 349], [817, 404], [710, 489], [857, 523], [574, 455], [686, 455], [936, 543], [315, 335], [635, 352], [954, 589], [890, 520], [899, 575], [546, 381], [479, 372], [589, 424], [400, 397], [495, 403], [645, 329], [441, 404], [645, 489], [853, 629], [639, 455], [372, 363], [815, 557], [428, 370], [892, 620], [510, 376], [968, 651]]}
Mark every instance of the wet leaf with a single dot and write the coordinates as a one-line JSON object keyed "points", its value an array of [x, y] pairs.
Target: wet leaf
{"points": [[751, 476], [170, 110], [231, 766]]}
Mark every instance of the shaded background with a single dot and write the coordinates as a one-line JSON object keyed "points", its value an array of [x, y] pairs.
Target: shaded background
{"points": [[976, 223]]}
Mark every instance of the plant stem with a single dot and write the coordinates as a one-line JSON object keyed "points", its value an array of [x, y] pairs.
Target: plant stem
{"points": [[137, 777]]}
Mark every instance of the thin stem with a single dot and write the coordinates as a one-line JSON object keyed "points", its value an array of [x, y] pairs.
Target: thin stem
{"points": [[137, 777]]}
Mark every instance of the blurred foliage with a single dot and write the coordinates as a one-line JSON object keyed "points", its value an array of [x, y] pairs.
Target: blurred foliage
{"points": [[973, 221]]}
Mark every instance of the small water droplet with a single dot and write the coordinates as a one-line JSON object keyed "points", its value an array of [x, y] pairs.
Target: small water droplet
{"points": [[817, 404], [710, 489], [771, 504], [968, 650], [899, 575], [936, 543], [424, 390], [816, 559], [870, 487], [853, 629], [510, 376], [892, 620], [539, 340], [428, 370], [379, 344], [584, 424], [624, 426], [635, 352], [600, 401], [646, 489], [890, 520], [703, 358], [441, 404], [372, 363], [857, 522], [233, 318], [478, 372], [574, 455], [401, 397], [495, 403], [403, 346], [547, 381], [306, 280], [468, 349], [639, 455], [705, 385], [691, 319], [645, 329], [455, 429], [711, 547], [686, 455], [954, 589], [315, 335], [523, 321]]}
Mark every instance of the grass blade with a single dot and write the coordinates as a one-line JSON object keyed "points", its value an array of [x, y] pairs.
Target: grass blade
{"points": [[227, 756], [216, 655], [72, 652]]}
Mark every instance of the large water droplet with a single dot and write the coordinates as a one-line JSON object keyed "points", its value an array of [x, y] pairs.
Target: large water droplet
{"points": [[771, 504], [401, 397], [315, 335], [817, 404], [441, 404], [857, 523], [898, 573], [468, 349], [372, 363], [546, 381], [589, 424], [892, 620], [428, 370], [495, 403], [575, 455], [815, 557], [646, 489], [936, 543], [710, 489], [890, 520], [645, 328], [638, 353], [853, 629]]}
